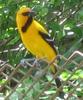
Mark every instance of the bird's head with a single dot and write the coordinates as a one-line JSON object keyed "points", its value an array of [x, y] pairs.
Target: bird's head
{"points": [[26, 12], [23, 14]]}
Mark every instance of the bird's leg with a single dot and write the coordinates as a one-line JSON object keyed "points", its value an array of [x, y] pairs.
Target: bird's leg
{"points": [[31, 62]]}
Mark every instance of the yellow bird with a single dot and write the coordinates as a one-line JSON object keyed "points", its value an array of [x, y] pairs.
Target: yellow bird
{"points": [[35, 37]]}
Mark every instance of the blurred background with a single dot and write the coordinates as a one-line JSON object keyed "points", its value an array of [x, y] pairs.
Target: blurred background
{"points": [[64, 21]]}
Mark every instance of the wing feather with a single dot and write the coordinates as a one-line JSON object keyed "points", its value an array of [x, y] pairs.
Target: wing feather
{"points": [[48, 39]]}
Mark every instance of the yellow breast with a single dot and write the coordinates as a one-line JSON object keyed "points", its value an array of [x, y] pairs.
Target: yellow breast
{"points": [[36, 45]]}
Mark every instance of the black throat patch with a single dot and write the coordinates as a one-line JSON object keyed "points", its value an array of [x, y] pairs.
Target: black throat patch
{"points": [[27, 24]]}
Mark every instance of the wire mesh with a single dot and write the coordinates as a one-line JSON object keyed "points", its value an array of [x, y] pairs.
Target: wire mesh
{"points": [[15, 77]]}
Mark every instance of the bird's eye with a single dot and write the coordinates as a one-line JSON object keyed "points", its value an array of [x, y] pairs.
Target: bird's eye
{"points": [[30, 14], [25, 13]]}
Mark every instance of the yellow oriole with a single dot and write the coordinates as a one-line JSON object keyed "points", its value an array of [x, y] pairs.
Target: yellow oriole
{"points": [[36, 38]]}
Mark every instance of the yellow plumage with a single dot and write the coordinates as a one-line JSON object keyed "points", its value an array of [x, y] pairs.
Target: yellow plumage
{"points": [[32, 39], [36, 39]]}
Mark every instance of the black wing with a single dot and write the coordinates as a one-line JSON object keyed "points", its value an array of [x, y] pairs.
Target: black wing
{"points": [[48, 39]]}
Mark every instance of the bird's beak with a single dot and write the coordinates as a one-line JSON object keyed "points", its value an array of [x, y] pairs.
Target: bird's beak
{"points": [[30, 13]]}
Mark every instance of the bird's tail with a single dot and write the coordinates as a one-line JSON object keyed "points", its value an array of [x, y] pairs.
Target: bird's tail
{"points": [[57, 80]]}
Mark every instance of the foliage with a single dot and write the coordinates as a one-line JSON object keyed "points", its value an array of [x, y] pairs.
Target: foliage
{"points": [[63, 20]]}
